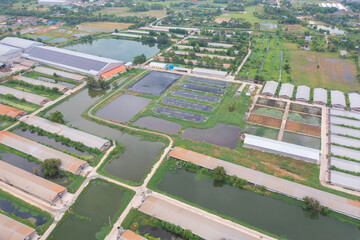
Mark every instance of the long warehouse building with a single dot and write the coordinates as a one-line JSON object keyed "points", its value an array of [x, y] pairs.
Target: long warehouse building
{"points": [[73, 61], [42, 152], [29, 97], [68, 75], [30, 183], [71, 133], [36, 82], [11, 112], [11, 229]]}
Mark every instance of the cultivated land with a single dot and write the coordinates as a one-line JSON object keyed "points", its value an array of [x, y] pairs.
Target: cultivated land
{"points": [[102, 26]]}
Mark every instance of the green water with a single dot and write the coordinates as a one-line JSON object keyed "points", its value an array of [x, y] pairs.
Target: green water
{"points": [[263, 212], [100, 202]]}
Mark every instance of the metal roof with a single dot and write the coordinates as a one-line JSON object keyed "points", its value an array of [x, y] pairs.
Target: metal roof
{"points": [[286, 90], [349, 142], [32, 81], [30, 183], [320, 95], [344, 131], [282, 148], [130, 235], [343, 113], [75, 61], [51, 71], [71, 133], [21, 43], [354, 99], [345, 152], [344, 121], [11, 229], [345, 164], [303, 93], [209, 71], [10, 111], [270, 88], [157, 65], [29, 97], [338, 99], [6, 50], [345, 180], [41, 152]]}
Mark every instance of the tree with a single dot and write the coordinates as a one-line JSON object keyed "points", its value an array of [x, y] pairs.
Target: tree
{"points": [[139, 59], [57, 116], [51, 167], [219, 173]]}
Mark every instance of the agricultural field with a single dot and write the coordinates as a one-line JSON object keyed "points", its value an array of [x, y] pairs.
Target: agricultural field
{"points": [[95, 27], [125, 11]]}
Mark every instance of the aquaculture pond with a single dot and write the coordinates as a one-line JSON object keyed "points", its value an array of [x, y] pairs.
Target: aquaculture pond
{"points": [[119, 49], [158, 124], [72, 110], [263, 212], [99, 202]]}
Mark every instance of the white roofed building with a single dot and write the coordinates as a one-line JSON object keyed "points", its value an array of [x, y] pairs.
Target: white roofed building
{"points": [[209, 72], [320, 96], [23, 44], [11, 229], [158, 65], [338, 99], [9, 54], [354, 99], [303, 93], [270, 88], [286, 90]]}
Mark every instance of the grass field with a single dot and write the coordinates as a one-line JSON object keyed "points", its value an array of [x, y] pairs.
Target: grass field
{"points": [[125, 11], [102, 26], [247, 14]]}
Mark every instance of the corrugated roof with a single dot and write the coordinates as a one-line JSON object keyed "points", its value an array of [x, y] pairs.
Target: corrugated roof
{"points": [[209, 71], [30, 183], [344, 131], [270, 88], [286, 90], [349, 142], [51, 71], [6, 50], [113, 71], [10, 111], [354, 99], [13, 230], [157, 65], [345, 152], [74, 134], [320, 95], [344, 121], [29, 97], [130, 235], [41, 152], [338, 99], [345, 164], [343, 113], [345, 180], [303, 93], [21, 43], [32, 81]]}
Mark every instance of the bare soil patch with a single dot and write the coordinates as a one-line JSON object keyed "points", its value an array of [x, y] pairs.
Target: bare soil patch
{"points": [[281, 172], [266, 121], [303, 128]]}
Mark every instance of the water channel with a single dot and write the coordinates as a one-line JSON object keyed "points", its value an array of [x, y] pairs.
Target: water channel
{"points": [[264, 212]]}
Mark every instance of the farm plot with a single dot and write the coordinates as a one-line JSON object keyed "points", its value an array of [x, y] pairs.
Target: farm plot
{"points": [[187, 104], [304, 118], [305, 109], [154, 83], [188, 116], [262, 131], [303, 128], [195, 96], [302, 140], [271, 103], [208, 82], [270, 112], [264, 120], [202, 88]]}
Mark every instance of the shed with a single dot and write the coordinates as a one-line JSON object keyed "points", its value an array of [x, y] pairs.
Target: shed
{"points": [[11, 112], [51, 71], [11, 229], [345, 180], [9, 54], [29, 97], [42, 152], [320, 96], [182, 69], [345, 152], [30, 183], [338, 99], [209, 72], [343, 164], [281, 148], [23, 44], [303, 93], [286, 90], [158, 65], [36, 82], [344, 113], [354, 99], [270, 88], [130, 235], [87, 139]]}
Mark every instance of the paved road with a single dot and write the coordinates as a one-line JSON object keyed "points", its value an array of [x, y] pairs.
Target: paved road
{"points": [[292, 189], [201, 223]]}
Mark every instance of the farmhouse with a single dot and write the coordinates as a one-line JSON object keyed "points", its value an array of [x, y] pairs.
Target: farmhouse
{"points": [[30, 183], [29, 97], [354, 99], [50, 71], [36, 82], [209, 72], [42, 152], [270, 88], [286, 90], [20, 43], [14, 230], [10, 111], [338, 99], [320, 96], [75, 135], [303, 93]]}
